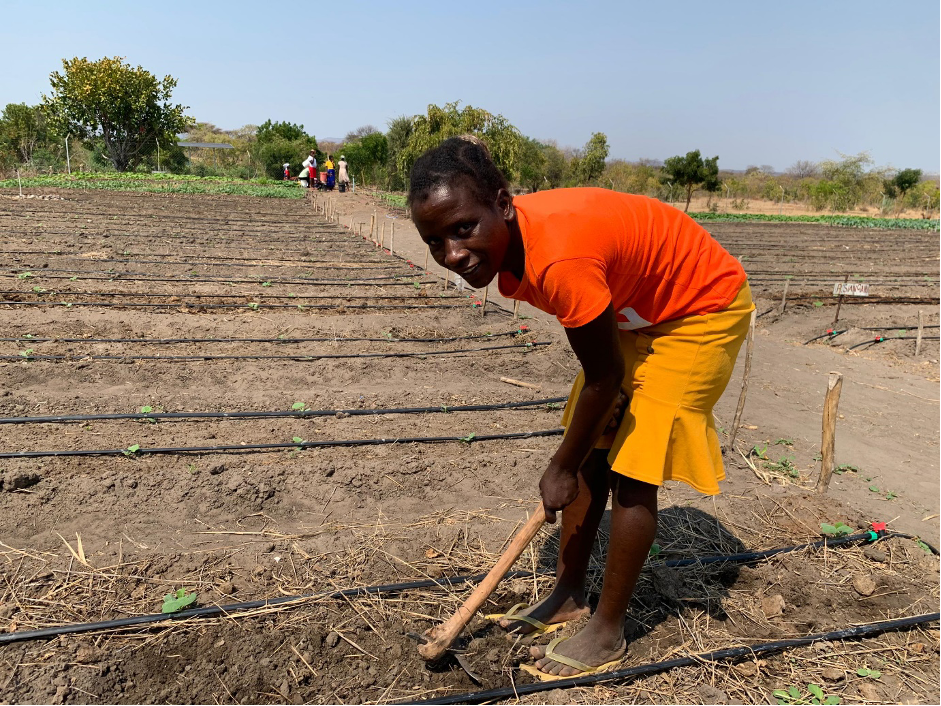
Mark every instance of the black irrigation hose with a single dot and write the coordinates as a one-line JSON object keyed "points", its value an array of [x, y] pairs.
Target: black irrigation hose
{"points": [[302, 413], [235, 295], [299, 357], [895, 328], [332, 339], [211, 611], [729, 653], [831, 334], [145, 305], [238, 448], [883, 339], [384, 281]]}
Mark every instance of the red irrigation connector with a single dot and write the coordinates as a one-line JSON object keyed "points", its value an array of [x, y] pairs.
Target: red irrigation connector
{"points": [[879, 527]]}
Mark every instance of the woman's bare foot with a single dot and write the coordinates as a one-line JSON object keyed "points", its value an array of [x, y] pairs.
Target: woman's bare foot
{"points": [[590, 646], [551, 610]]}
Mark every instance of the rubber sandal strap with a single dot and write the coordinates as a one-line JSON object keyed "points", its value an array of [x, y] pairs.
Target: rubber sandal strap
{"points": [[512, 615], [567, 661]]}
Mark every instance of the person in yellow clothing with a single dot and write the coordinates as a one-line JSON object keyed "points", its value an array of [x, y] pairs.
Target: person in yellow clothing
{"points": [[656, 312]]}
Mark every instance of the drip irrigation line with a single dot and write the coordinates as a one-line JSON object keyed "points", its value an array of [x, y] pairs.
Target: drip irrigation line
{"points": [[298, 357], [729, 653], [883, 339], [833, 334], [235, 295], [239, 448], [332, 339], [211, 263], [302, 413], [119, 275], [442, 582], [145, 305], [406, 280]]}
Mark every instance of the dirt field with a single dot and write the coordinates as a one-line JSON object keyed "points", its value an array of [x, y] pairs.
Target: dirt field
{"points": [[92, 281]]}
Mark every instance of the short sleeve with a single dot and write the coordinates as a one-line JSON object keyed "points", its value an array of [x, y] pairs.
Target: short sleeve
{"points": [[577, 289]]}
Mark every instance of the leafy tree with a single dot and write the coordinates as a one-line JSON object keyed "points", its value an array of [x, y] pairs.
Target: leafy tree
{"points": [[556, 164], [360, 132], [591, 163], [533, 163], [503, 139], [692, 172], [400, 129], [126, 108], [366, 155], [277, 143], [23, 131]]}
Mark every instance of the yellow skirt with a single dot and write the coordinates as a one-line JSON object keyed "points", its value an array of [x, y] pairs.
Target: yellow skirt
{"points": [[675, 373]]}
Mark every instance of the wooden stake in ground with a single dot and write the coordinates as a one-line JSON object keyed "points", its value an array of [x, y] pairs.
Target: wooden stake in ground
{"points": [[516, 309], [839, 303], [441, 637], [382, 235], [749, 347], [828, 438], [391, 237], [921, 332], [483, 302], [787, 283], [426, 261]]}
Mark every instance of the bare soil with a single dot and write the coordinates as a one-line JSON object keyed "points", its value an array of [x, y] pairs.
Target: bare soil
{"points": [[86, 538]]}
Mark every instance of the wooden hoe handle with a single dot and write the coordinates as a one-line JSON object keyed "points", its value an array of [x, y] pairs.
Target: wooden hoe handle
{"points": [[441, 637]]}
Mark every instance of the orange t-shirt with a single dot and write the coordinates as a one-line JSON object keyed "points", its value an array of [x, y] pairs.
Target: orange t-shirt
{"points": [[587, 248]]}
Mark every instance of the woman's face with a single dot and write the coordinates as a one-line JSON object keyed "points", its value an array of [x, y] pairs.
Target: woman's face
{"points": [[464, 235]]}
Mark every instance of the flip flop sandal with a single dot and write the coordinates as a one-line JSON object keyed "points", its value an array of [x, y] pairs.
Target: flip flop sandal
{"points": [[541, 627], [584, 669]]}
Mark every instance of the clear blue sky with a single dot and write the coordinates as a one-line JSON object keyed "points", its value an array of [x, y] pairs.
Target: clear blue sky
{"points": [[754, 82]]}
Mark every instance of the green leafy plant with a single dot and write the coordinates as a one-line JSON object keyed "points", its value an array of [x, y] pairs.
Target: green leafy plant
{"points": [[28, 354], [298, 406], [298, 440], [654, 549], [177, 601], [874, 489], [147, 409], [843, 468], [253, 306], [39, 290], [835, 530], [132, 450], [818, 303], [760, 451], [25, 275], [784, 442], [870, 673], [469, 438], [814, 695], [784, 465], [266, 284]]}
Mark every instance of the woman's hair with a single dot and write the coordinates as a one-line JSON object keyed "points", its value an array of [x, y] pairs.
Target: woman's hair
{"points": [[465, 157]]}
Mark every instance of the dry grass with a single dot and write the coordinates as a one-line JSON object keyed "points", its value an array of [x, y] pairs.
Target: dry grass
{"points": [[675, 612]]}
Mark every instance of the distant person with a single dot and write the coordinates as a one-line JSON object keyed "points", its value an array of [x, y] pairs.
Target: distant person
{"points": [[311, 165], [343, 175], [330, 172]]}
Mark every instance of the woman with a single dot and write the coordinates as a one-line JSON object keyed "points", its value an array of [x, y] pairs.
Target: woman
{"points": [[652, 306]]}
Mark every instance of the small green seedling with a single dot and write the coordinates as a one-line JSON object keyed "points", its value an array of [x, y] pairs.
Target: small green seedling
{"points": [[469, 438], [760, 451], [818, 303], [266, 284], [784, 442], [445, 409], [25, 275], [298, 440], [654, 549], [67, 305], [553, 405], [253, 306], [924, 546], [28, 354], [835, 530], [191, 467], [39, 290], [784, 465], [298, 407], [874, 488], [891, 495], [147, 409], [814, 695], [131, 450], [843, 468], [180, 599], [870, 673]]}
